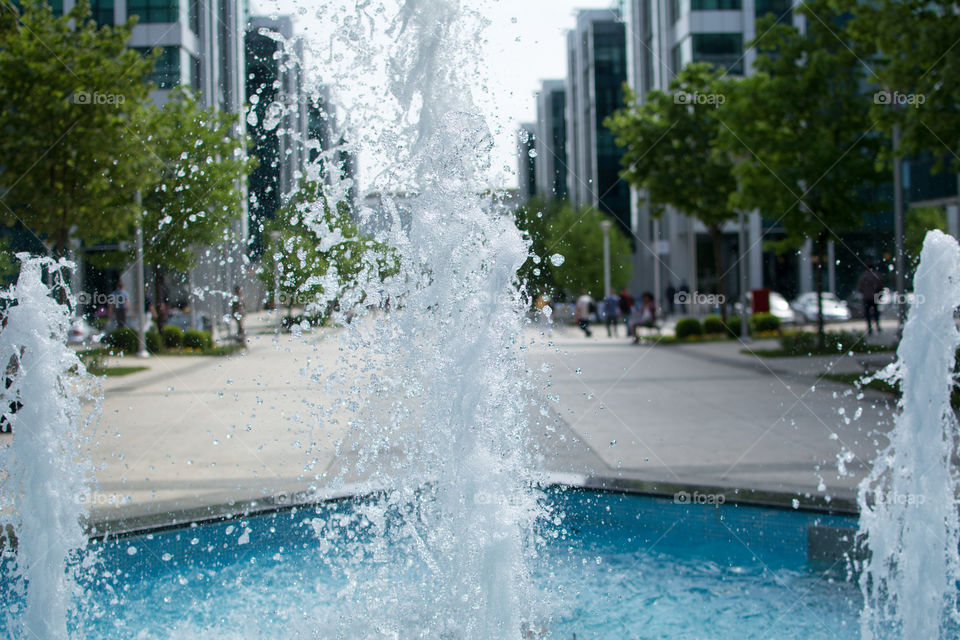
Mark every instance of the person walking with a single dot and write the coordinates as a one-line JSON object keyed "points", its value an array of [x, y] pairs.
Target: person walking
{"points": [[869, 287], [238, 309], [582, 312], [611, 313], [644, 316], [120, 305], [626, 308], [671, 294]]}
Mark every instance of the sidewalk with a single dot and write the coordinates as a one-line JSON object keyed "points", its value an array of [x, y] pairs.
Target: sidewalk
{"points": [[197, 431]]}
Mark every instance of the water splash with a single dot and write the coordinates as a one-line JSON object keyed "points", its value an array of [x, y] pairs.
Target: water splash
{"points": [[440, 400], [42, 494], [908, 513]]}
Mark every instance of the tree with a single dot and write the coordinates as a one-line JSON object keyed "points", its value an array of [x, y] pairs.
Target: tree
{"points": [[313, 238], [910, 46], [671, 152], [801, 132], [71, 95], [198, 194], [576, 235], [534, 219], [916, 225]]}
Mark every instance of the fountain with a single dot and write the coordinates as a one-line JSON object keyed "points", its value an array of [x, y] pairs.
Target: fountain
{"points": [[46, 476], [452, 534], [908, 511]]}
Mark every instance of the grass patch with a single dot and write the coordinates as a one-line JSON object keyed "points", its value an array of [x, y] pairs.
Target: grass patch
{"points": [[216, 350], [114, 372], [784, 353], [665, 339], [855, 380]]}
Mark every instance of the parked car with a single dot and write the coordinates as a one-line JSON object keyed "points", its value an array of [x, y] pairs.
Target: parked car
{"points": [[834, 309], [778, 307]]}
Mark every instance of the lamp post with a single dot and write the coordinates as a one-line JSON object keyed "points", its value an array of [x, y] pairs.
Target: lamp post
{"points": [[605, 225], [140, 297], [275, 241], [898, 231]]}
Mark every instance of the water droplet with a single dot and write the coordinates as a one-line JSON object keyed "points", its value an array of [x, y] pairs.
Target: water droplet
{"points": [[556, 259]]}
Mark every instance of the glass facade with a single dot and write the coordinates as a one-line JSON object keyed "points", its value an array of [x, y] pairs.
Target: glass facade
{"points": [[195, 74], [154, 11], [100, 10], [721, 49], [782, 9], [558, 105], [610, 73], [166, 69], [263, 75], [193, 17], [715, 5]]}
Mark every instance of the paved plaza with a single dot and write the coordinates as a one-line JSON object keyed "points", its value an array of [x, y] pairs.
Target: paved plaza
{"points": [[192, 432]]}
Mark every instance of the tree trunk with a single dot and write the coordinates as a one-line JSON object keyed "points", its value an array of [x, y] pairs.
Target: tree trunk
{"points": [[716, 234], [820, 248], [158, 298]]}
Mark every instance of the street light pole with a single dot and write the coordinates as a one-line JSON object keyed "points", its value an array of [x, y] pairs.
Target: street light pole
{"points": [[275, 241], [898, 230], [606, 225], [744, 330], [140, 297]]}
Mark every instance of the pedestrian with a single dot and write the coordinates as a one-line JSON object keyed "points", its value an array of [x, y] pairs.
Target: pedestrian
{"points": [[645, 315], [237, 310], [119, 305], [869, 287], [611, 313], [671, 293], [683, 296], [626, 308], [582, 310]]}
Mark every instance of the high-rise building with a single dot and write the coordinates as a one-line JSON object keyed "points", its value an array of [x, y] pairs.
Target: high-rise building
{"points": [[527, 160], [596, 72], [551, 142], [277, 121]]}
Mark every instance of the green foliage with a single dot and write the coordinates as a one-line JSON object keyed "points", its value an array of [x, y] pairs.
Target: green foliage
{"points": [[124, 340], [576, 235], [714, 324], [154, 341], [802, 343], [197, 339], [534, 219], [172, 337], [912, 52], [198, 194], [917, 222], [733, 327], [764, 322], [72, 96], [800, 132], [688, 328], [317, 240], [671, 151]]}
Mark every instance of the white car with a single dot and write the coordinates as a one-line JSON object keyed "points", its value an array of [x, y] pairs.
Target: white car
{"points": [[834, 309], [778, 307]]}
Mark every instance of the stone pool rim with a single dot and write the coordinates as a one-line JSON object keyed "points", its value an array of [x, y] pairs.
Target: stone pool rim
{"points": [[172, 519]]}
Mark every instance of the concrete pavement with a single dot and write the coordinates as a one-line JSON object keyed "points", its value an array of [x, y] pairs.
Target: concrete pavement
{"points": [[192, 432]]}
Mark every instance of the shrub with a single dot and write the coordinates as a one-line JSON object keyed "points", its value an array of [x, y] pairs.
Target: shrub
{"points": [[124, 340], [799, 342], [172, 337], [688, 327], [764, 323], [154, 342], [714, 324], [733, 327], [196, 339]]}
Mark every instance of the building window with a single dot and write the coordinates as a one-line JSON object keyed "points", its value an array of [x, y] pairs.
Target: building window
{"points": [[675, 8], [782, 9], [676, 58], [166, 68], [100, 10], [715, 5], [153, 11], [193, 9], [721, 49], [195, 74]]}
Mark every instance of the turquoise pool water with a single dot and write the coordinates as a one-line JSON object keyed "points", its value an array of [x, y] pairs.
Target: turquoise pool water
{"points": [[617, 566]]}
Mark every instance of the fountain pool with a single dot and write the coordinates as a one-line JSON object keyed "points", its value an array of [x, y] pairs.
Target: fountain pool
{"points": [[615, 566]]}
